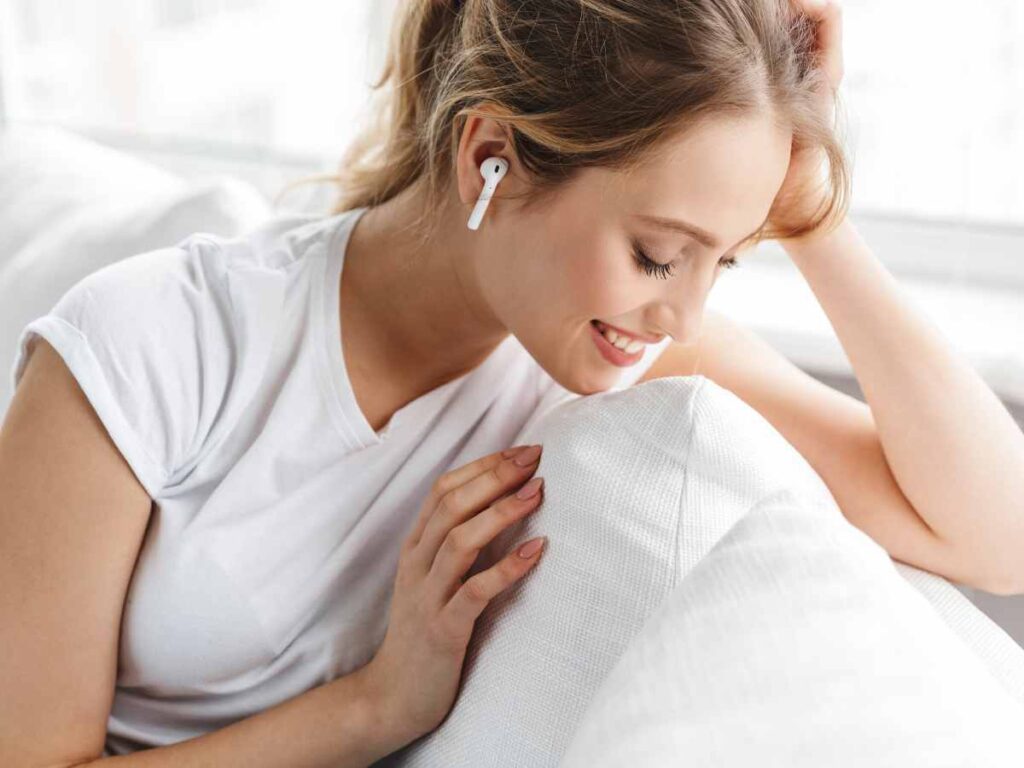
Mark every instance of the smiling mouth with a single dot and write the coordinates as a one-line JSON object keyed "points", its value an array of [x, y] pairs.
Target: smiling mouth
{"points": [[603, 327], [613, 354]]}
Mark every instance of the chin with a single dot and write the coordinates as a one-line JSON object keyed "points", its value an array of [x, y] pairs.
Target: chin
{"points": [[592, 376], [590, 387]]}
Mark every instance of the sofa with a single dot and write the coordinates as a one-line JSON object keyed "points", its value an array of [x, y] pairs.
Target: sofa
{"points": [[702, 600]]}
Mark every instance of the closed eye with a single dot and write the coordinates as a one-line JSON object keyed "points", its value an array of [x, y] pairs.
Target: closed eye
{"points": [[664, 271]]}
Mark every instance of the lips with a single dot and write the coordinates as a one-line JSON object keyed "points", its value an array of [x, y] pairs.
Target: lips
{"points": [[610, 352]]}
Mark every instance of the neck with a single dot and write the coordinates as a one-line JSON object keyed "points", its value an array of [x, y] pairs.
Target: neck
{"points": [[419, 306]]}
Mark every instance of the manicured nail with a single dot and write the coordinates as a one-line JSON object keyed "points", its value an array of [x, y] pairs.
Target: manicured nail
{"points": [[532, 547], [527, 457], [530, 489], [508, 453]]}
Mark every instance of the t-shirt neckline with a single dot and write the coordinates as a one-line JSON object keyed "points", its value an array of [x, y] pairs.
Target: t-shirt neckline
{"points": [[349, 419]]}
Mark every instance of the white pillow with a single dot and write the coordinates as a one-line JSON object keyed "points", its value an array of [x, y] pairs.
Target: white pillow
{"points": [[71, 206], [999, 652], [48, 173], [640, 484], [794, 643]]}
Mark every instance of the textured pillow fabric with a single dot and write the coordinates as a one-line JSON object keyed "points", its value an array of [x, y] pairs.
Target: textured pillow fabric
{"points": [[614, 467], [999, 652], [71, 206], [640, 484], [794, 643]]}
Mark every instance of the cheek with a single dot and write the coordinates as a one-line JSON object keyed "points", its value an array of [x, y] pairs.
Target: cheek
{"points": [[569, 269], [566, 272], [602, 279]]}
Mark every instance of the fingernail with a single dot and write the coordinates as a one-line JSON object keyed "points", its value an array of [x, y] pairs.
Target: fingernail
{"points": [[532, 547], [530, 489], [527, 457], [508, 453]]}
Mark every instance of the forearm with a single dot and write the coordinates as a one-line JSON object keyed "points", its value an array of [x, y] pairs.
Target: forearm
{"points": [[950, 443], [335, 725]]}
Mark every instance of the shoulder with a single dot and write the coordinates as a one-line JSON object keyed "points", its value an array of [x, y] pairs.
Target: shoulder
{"points": [[137, 335], [200, 297], [166, 305], [158, 340]]}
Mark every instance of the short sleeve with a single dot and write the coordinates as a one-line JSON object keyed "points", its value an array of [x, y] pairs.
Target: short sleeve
{"points": [[141, 337]]}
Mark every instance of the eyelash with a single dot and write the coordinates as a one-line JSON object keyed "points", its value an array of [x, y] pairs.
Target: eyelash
{"points": [[664, 271]]}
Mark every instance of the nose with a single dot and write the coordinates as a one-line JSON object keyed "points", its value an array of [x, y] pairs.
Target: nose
{"points": [[680, 311]]}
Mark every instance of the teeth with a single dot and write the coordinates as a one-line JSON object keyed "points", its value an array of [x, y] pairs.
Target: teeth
{"points": [[623, 343]]}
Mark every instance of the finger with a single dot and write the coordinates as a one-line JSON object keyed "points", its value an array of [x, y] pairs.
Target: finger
{"points": [[828, 18], [452, 479], [463, 501], [830, 40], [830, 31], [462, 610], [461, 547]]}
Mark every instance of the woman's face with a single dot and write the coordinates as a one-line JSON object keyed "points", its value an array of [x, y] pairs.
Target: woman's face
{"points": [[548, 272]]}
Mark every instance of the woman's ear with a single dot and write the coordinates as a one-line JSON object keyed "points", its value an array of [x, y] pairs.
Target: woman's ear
{"points": [[484, 137]]}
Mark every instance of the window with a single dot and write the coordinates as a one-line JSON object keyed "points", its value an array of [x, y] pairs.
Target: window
{"points": [[275, 76], [933, 93], [936, 91]]}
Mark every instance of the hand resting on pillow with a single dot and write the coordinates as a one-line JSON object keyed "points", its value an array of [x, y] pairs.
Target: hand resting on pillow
{"points": [[640, 485]]}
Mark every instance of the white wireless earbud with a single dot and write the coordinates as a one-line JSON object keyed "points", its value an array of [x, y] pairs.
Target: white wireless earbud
{"points": [[493, 169]]}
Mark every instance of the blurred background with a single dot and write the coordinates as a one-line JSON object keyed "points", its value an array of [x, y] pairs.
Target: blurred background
{"points": [[127, 124]]}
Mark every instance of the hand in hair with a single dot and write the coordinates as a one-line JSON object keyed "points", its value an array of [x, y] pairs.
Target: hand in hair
{"points": [[804, 189]]}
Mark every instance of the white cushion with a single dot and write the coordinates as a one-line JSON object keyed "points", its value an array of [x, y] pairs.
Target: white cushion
{"points": [[71, 206], [794, 643], [48, 174], [640, 484]]}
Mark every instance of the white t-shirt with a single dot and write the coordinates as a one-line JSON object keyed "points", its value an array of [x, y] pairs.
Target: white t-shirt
{"points": [[267, 568]]}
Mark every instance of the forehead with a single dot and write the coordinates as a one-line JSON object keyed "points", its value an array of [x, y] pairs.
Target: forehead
{"points": [[718, 164]]}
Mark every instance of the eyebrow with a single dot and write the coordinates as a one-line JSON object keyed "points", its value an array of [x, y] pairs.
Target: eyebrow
{"points": [[702, 236]]}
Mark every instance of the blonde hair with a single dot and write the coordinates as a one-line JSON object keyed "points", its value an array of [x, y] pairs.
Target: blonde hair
{"points": [[583, 83]]}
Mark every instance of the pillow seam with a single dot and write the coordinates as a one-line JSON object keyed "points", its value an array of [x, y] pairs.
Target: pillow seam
{"points": [[691, 412]]}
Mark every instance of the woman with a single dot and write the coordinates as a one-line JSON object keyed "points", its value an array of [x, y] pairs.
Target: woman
{"points": [[325, 455]]}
